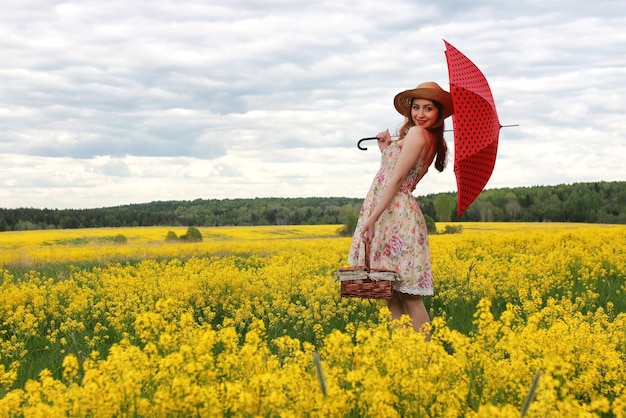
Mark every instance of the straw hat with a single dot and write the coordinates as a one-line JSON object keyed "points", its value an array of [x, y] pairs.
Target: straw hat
{"points": [[428, 90]]}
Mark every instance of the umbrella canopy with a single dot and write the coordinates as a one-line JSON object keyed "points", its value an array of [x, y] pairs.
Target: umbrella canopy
{"points": [[476, 127]]}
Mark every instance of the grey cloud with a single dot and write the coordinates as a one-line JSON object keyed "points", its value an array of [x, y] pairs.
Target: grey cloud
{"points": [[269, 81]]}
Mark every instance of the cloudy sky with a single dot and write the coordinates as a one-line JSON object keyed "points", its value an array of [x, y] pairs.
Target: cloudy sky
{"points": [[104, 103]]}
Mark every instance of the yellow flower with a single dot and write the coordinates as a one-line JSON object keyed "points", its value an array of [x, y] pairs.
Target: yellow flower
{"points": [[230, 325]]}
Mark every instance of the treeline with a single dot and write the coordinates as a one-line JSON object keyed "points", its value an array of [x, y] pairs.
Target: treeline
{"points": [[599, 202], [199, 212]]}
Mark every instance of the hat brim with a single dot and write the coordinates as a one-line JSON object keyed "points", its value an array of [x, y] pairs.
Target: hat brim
{"points": [[402, 101]]}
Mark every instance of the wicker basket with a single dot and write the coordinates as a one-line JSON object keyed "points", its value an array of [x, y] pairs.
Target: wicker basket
{"points": [[364, 282]]}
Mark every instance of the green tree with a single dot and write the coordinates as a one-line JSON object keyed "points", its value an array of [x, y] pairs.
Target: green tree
{"points": [[351, 220], [431, 226], [512, 207], [444, 204]]}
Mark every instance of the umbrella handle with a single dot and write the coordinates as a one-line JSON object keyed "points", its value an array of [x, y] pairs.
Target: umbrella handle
{"points": [[365, 139], [371, 138]]}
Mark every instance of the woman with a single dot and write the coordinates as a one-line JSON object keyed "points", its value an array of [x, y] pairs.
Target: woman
{"points": [[391, 221]]}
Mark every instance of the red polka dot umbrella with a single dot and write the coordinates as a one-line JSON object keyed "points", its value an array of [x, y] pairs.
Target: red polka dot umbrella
{"points": [[476, 127]]}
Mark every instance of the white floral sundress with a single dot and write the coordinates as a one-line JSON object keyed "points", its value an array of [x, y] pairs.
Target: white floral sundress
{"points": [[401, 239]]}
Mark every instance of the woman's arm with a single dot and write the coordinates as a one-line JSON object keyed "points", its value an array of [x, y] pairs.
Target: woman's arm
{"points": [[412, 147], [384, 139]]}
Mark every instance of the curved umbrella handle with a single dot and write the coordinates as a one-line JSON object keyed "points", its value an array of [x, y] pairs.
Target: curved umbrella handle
{"points": [[365, 139]]}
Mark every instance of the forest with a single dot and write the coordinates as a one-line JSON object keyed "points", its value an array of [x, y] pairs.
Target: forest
{"points": [[593, 202]]}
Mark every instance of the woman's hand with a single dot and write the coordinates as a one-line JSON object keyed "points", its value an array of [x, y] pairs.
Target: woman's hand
{"points": [[368, 230], [384, 139]]}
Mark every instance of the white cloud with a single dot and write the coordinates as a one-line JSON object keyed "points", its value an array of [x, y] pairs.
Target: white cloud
{"points": [[107, 103]]}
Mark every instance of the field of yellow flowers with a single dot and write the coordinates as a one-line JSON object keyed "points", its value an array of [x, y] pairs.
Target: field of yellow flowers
{"points": [[249, 323]]}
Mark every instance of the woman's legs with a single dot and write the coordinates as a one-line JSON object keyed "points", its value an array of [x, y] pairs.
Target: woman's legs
{"points": [[396, 307], [414, 307]]}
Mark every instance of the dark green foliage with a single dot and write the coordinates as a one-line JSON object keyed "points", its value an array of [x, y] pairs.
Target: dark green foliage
{"points": [[120, 239], [430, 224], [200, 212], [452, 229], [171, 236], [192, 235], [350, 224], [598, 202]]}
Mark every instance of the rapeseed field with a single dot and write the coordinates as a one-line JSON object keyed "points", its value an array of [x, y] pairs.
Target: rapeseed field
{"points": [[527, 320]]}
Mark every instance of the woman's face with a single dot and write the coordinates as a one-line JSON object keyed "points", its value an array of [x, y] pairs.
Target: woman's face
{"points": [[424, 113]]}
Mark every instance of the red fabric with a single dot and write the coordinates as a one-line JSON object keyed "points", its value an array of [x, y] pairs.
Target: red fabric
{"points": [[476, 127]]}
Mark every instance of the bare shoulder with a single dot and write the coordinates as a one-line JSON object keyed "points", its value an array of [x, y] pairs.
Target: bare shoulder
{"points": [[421, 143], [417, 136]]}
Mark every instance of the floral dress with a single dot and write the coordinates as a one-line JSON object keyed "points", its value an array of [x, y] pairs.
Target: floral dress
{"points": [[401, 239]]}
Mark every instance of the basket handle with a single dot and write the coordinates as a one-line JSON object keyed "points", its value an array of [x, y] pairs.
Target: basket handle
{"points": [[367, 257]]}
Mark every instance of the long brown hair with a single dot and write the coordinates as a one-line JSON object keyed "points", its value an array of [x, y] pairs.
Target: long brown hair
{"points": [[442, 147]]}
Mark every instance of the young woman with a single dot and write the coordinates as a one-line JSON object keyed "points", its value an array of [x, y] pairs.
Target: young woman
{"points": [[391, 221]]}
